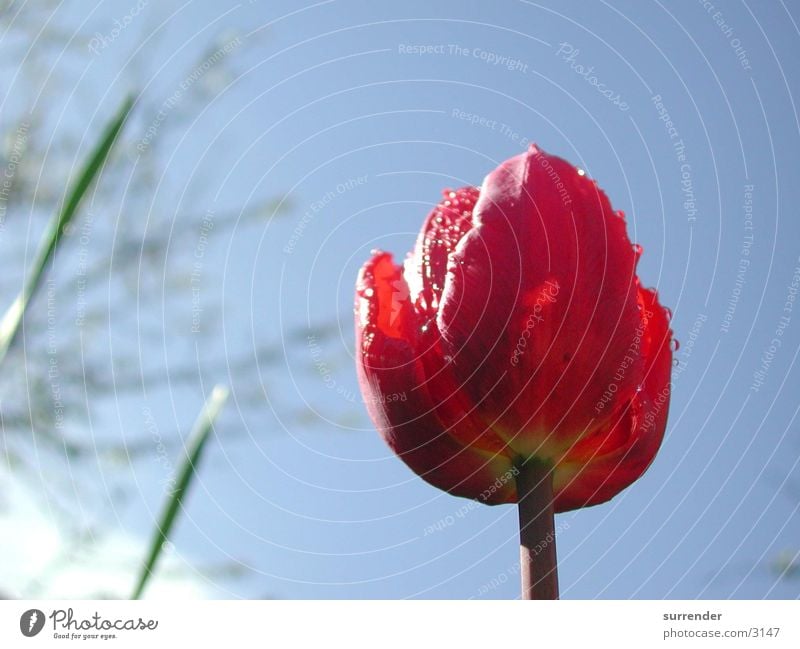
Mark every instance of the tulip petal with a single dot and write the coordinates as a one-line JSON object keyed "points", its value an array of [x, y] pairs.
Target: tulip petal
{"points": [[398, 399], [539, 304], [446, 224], [601, 465]]}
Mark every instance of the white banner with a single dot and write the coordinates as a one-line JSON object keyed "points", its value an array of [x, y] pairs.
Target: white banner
{"points": [[403, 624]]}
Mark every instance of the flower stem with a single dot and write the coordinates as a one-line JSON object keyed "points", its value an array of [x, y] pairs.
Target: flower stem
{"points": [[537, 537]]}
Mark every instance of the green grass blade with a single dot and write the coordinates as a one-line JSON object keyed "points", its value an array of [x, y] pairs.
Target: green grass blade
{"points": [[10, 324], [186, 472]]}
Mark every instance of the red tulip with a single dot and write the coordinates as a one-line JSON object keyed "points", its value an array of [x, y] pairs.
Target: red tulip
{"points": [[517, 333]]}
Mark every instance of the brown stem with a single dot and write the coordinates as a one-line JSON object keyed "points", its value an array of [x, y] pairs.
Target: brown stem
{"points": [[537, 536]]}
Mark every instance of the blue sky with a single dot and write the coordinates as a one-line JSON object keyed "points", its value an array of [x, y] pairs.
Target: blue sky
{"points": [[360, 114]]}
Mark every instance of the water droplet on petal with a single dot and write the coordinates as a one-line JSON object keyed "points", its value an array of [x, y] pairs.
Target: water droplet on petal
{"points": [[637, 250], [581, 172], [674, 345], [368, 292]]}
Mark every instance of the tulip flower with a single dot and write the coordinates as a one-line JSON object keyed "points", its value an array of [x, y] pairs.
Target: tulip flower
{"points": [[514, 357]]}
